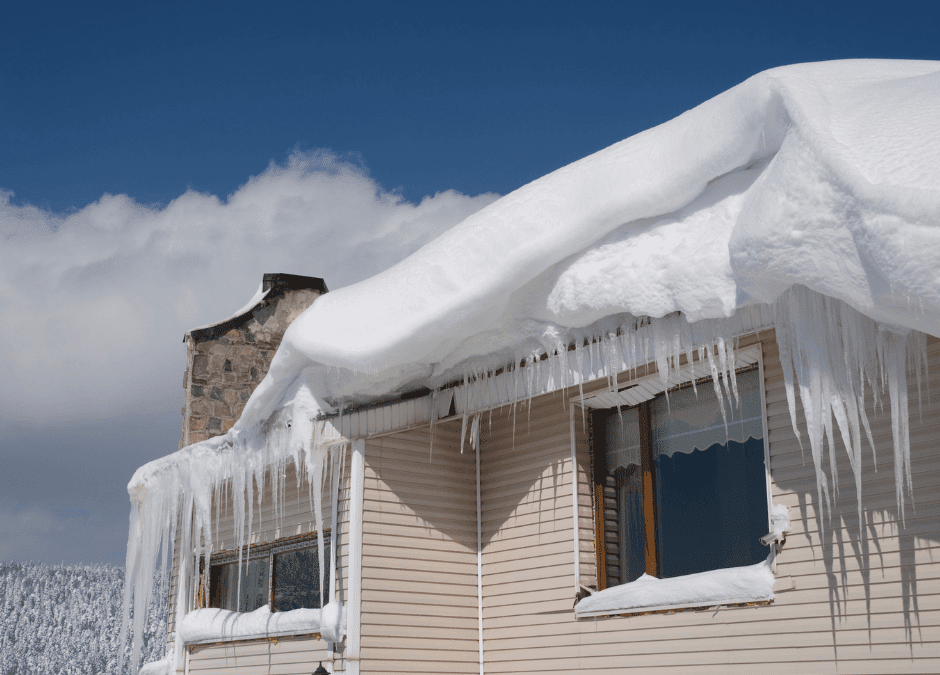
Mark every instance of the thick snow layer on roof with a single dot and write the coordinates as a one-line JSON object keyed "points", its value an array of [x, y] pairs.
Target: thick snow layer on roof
{"points": [[822, 174]]}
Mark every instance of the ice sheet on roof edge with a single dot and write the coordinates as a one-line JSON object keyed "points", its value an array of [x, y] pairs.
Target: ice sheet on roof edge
{"points": [[809, 187]]}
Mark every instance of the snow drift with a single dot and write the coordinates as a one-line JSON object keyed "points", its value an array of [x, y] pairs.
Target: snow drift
{"points": [[811, 190], [825, 175]]}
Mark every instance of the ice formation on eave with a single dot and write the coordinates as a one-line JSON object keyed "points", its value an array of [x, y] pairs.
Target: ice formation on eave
{"points": [[809, 190]]}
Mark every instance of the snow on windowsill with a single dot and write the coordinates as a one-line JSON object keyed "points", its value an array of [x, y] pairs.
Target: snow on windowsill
{"points": [[219, 625], [733, 585]]}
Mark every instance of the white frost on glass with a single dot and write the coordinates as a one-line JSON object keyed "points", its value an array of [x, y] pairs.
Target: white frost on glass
{"points": [[205, 625], [733, 584], [807, 192]]}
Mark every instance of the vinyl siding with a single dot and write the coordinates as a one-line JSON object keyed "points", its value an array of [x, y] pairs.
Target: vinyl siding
{"points": [[287, 656], [858, 605], [419, 562]]}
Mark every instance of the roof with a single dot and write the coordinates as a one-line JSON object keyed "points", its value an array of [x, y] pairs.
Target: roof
{"points": [[820, 175]]}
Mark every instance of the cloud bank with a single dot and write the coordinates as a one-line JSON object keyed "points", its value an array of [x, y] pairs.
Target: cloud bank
{"points": [[93, 304]]}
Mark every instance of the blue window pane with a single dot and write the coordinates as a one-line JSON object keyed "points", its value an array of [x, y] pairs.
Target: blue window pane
{"points": [[711, 494]]}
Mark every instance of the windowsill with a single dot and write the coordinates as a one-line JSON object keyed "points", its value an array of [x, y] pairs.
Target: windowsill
{"points": [[210, 626], [730, 586]]}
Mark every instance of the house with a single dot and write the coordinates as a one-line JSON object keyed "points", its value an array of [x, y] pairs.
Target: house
{"points": [[681, 426]]}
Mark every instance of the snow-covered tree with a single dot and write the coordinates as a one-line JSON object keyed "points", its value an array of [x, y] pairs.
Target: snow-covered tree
{"points": [[65, 620]]}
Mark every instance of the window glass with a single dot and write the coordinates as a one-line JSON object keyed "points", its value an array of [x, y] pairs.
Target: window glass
{"points": [[711, 495], [297, 578], [253, 592], [624, 464]]}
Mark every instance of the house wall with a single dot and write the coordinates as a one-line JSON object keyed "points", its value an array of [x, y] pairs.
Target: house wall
{"points": [[844, 603], [419, 561], [857, 604], [286, 655]]}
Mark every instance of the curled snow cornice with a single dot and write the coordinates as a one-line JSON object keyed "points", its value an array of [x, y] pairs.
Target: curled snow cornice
{"points": [[821, 174]]}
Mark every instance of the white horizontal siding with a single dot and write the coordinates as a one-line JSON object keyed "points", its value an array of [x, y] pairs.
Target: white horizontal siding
{"points": [[419, 589]]}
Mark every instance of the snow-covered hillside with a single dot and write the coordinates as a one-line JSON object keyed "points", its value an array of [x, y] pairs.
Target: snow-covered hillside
{"points": [[65, 620]]}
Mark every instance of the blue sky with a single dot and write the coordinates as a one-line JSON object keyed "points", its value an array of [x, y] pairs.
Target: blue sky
{"points": [[328, 125], [152, 100]]}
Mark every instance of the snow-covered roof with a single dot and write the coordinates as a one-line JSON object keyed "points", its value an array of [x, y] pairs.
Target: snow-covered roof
{"points": [[821, 174]]}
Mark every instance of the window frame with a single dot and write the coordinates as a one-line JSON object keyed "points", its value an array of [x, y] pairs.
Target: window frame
{"points": [[256, 552], [601, 489]]}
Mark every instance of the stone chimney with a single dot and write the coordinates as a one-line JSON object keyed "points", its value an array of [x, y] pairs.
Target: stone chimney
{"points": [[226, 361]]}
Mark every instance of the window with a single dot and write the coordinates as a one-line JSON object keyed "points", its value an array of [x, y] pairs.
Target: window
{"points": [[284, 575], [682, 491]]}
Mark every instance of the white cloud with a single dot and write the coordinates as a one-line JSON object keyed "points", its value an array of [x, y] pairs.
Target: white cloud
{"points": [[94, 304]]}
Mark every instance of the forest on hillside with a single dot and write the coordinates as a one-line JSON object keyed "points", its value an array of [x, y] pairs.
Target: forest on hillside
{"points": [[66, 620]]}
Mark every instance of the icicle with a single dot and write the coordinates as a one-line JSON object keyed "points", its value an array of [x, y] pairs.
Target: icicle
{"points": [[725, 368], [475, 432], [463, 432], [895, 361], [433, 419], [831, 351], [579, 356], [714, 371]]}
